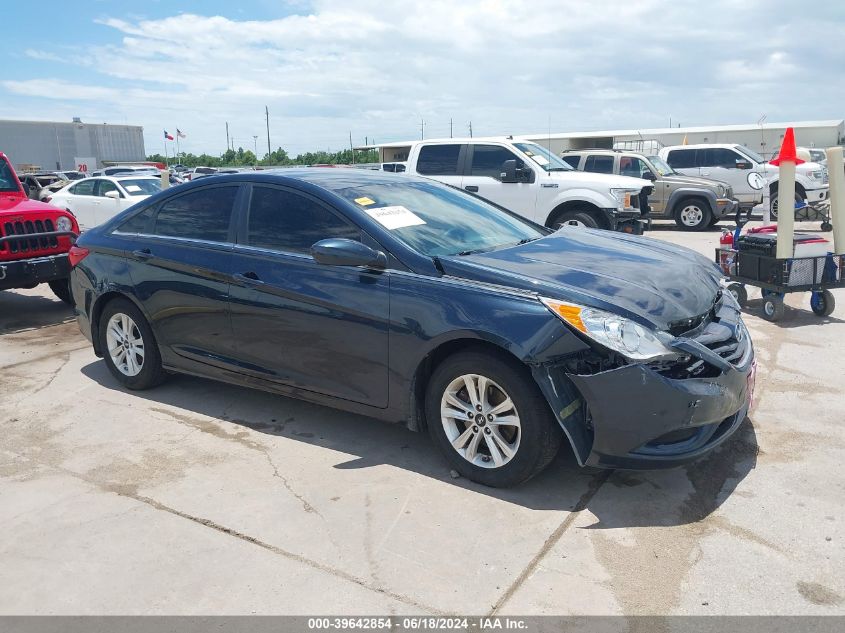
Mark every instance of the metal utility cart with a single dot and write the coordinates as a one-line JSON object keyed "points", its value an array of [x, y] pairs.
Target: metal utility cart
{"points": [[777, 277]]}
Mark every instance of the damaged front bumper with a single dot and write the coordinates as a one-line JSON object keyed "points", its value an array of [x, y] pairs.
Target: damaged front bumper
{"points": [[641, 416]]}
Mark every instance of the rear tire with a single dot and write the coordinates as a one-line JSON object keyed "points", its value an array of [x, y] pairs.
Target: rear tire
{"points": [[739, 293], [773, 308], [129, 347], [61, 288], [773, 208], [692, 214], [512, 415]]}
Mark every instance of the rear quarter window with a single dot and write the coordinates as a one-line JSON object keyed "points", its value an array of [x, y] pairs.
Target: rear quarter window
{"points": [[681, 158], [572, 160], [599, 164]]}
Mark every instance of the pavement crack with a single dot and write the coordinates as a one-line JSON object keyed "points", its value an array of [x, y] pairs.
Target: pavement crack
{"points": [[595, 484], [305, 505], [53, 374]]}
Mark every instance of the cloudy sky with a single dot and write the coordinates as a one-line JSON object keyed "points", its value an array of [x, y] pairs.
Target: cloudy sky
{"points": [[376, 68]]}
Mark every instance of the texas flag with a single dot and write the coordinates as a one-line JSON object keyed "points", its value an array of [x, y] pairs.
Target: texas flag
{"points": [[167, 136]]}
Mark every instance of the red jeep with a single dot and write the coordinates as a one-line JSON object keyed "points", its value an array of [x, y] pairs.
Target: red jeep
{"points": [[34, 238]]}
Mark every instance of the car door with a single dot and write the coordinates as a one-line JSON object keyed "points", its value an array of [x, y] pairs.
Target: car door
{"points": [[105, 207], [636, 167], [80, 199], [484, 178], [180, 265], [721, 163], [302, 324]]}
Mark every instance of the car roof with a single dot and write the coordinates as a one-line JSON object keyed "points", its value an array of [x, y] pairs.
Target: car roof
{"points": [[700, 145]]}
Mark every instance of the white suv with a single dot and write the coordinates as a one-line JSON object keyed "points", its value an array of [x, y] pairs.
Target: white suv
{"points": [[746, 171]]}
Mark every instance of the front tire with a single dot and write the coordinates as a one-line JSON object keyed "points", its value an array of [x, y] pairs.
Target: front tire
{"points": [[129, 347], [61, 288], [773, 208], [575, 218], [822, 303], [490, 420], [692, 214], [773, 308]]}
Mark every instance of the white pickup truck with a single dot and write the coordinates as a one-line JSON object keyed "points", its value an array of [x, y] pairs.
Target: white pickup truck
{"points": [[526, 178]]}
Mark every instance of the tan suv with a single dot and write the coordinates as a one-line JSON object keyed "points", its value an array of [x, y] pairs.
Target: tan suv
{"points": [[694, 203]]}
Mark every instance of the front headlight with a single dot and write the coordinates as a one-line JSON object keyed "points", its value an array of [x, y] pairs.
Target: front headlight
{"points": [[617, 333], [721, 191], [64, 223], [623, 196], [816, 175]]}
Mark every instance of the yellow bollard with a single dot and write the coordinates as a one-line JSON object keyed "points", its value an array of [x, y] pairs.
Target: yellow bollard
{"points": [[836, 171]]}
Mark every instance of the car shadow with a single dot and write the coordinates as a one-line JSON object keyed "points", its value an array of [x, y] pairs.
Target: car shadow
{"points": [[21, 312], [669, 497]]}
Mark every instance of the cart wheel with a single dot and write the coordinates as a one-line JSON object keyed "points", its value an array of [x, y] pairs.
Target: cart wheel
{"points": [[822, 303], [827, 227], [739, 293], [772, 307]]}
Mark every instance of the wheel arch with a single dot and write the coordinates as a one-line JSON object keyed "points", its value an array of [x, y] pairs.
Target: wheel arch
{"points": [[436, 355], [578, 205], [679, 195], [799, 188], [97, 311]]}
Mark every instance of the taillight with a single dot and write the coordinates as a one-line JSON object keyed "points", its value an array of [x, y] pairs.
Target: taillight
{"points": [[47, 199], [76, 254]]}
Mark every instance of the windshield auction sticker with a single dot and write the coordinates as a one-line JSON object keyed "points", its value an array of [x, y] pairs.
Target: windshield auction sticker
{"points": [[396, 217], [365, 201]]}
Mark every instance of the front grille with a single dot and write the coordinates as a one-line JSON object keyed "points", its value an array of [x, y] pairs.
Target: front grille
{"points": [[29, 245], [722, 339], [729, 191]]}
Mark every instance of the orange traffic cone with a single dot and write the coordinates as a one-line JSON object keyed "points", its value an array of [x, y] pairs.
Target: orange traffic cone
{"points": [[787, 150]]}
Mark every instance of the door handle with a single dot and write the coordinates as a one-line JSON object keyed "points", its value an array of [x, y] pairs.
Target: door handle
{"points": [[144, 253], [249, 278], [473, 188]]}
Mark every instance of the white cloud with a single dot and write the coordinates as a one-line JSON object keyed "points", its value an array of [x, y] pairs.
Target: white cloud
{"points": [[377, 68]]}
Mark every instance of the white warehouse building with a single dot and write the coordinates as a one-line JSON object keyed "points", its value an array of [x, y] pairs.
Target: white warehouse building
{"points": [[764, 139]]}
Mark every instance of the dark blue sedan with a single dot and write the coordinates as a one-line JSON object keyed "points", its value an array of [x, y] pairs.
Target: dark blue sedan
{"points": [[410, 301]]}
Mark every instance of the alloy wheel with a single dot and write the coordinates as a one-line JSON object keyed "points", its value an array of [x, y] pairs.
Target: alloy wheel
{"points": [[692, 215], [480, 421], [125, 344]]}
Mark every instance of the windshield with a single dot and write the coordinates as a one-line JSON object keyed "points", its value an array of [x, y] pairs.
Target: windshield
{"points": [[7, 178], [543, 157], [141, 186], [438, 220], [661, 166], [750, 154]]}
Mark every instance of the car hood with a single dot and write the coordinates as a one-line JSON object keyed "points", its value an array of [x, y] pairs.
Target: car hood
{"points": [[599, 181], [694, 181], [13, 204], [649, 280]]}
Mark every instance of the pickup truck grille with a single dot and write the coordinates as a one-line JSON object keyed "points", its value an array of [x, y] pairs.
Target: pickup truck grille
{"points": [[29, 245]]}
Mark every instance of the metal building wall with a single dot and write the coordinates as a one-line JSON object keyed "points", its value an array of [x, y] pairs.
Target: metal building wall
{"points": [[54, 145]]}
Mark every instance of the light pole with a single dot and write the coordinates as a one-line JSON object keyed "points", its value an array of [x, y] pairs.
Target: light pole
{"points": [[255, 140]]}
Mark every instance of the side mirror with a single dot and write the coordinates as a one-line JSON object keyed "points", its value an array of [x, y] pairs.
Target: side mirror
{"points": [[741, 164], [509, 171], [649, 175], [25, 189], [343, 252], [112, 194]]}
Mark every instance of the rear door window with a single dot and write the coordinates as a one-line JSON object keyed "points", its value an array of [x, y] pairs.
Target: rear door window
{"points": [[572, 160], [104, 186], [439, 160], [718, 157], [198, 215], [599, 163], [681, 158], [84, 187], [285, 221]]}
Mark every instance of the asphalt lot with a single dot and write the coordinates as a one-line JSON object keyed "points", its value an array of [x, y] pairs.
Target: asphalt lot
{"points": [[202, 498]]}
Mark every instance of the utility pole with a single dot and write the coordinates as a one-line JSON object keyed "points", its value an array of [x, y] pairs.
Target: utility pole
{"points": [[470, 129], [255, 142], [450, 127], [351, 150], [267, 116], [422, 129], [227, 136]]}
